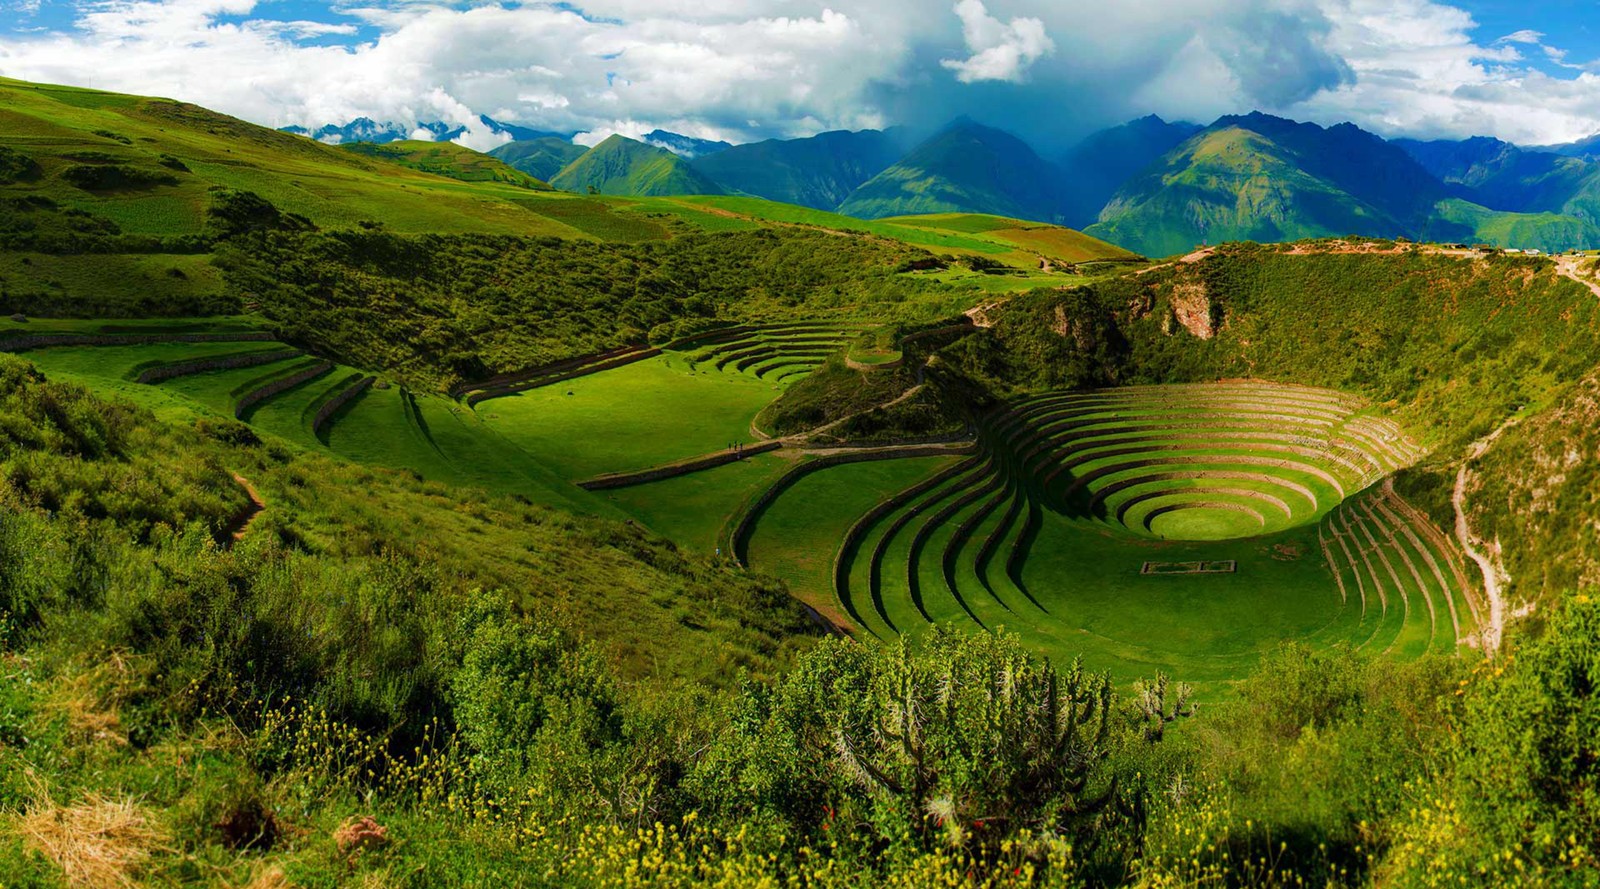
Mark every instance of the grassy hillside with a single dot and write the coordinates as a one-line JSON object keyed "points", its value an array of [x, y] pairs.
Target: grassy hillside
{"points": [[1456, 345], [966, 168], [1232, 185], [1095, 168], [622, 166], [539, 158], [443, 310], [148, 166], [1460, 221], [1052, 243], [818, 172], [447, 159]]}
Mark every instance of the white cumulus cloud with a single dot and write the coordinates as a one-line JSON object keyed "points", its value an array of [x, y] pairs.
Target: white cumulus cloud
{"points": [[1000, 50], [751, 69]]}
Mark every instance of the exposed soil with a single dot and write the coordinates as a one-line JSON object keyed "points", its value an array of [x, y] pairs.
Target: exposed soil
{"points": [[1569, 266], [241, 522], [1494, 576]]}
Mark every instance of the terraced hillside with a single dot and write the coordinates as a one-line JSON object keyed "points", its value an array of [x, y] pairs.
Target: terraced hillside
{"points": [[1184, 527], [231, 368], [776, 352]]}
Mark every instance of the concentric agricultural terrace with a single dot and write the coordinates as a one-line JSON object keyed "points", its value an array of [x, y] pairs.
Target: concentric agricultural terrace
{"points": [[1186, 528], [519, 432]]}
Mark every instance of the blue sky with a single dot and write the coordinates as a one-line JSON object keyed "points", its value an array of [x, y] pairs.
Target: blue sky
{"points": [[750, 69]]}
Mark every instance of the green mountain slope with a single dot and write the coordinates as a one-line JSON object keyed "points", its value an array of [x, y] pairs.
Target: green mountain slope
{"points": [[1231, 185], [1096, 167], [1263, 178], [622, 166], [966, 168], [447, 159], [150, 167], [818, 172], [1463, 221], [540, 158], [1501, 176]]}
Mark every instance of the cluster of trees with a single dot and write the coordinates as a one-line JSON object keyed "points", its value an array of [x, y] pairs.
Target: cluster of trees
{"points": [[37, 224], [450, 308]]}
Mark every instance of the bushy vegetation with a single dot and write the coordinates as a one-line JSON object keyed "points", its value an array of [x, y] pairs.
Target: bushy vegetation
{"points": [[1457, 345], [447, 309], [1533, 493]]}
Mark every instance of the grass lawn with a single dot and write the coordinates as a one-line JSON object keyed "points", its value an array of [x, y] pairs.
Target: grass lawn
{"points": [[693, 510], [799, 534], [124, 362], [633, 417], [1199, 627], [442, 441]]}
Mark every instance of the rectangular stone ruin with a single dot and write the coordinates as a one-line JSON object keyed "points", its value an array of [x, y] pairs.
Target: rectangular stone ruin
{"points": [[1225, 566]]}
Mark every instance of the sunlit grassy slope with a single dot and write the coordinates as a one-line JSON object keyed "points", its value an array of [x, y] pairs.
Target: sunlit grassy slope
{"points": [[152, 168], [448, 159]]}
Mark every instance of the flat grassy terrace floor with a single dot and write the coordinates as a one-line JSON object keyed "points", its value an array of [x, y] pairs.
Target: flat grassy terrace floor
{"points": [[641, 415]]}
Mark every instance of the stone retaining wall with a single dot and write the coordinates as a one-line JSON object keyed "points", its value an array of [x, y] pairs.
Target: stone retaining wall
{"points": [[739, 539], [220, 362], [585, 370], [256, 396], [326, 412], [645, 476]]}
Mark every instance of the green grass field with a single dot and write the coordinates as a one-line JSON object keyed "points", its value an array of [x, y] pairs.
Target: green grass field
{"points": [[647, 413], [694, 510], [799, 535]]}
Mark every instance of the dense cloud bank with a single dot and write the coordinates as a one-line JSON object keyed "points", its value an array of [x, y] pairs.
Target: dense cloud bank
{"points": [[759, 68]]}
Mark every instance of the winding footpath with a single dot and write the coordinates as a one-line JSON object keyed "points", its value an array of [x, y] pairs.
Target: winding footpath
{"points": [[1494, 576], [247, 516]]}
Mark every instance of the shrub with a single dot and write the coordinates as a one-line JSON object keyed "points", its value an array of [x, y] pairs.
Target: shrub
{"points": [[963, 741], [16, 167], [113, 177]]}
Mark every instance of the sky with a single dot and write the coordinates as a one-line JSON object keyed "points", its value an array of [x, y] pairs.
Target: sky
{"points": [[742, 70]]}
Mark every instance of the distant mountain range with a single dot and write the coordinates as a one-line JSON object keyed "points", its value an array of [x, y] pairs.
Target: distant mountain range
{"points": [[365, 129], [684, 146], [1149, 185]]}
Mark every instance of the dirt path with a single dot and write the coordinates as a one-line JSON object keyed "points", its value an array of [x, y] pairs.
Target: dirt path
{"points": [[798, 437], [1186, 259], [980, 314], [1569, 267], [1494, 576], [247, 516]]}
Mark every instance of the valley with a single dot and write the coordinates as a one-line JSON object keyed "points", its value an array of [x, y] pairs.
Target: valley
{"points": [[817, 512]]}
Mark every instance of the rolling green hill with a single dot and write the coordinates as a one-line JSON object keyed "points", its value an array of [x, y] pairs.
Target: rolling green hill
{"points": [[818, 172], [966, 168], [622, 166], [1095, 168], [149, 166], [1461, 221], [1232, 184], [539, 158], [447, 159]]}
